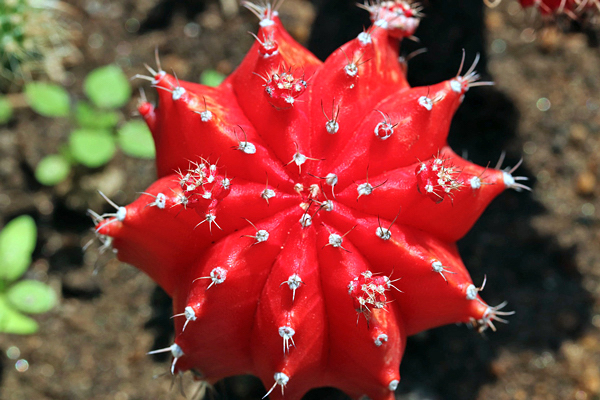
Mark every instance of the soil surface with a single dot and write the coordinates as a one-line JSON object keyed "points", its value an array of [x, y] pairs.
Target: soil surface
{"points": [[540, 251]]}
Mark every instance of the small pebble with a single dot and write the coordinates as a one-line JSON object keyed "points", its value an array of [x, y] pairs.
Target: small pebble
{"points": [[550, 38], [224, 67], [590, 378], [578, 132], [211, 20], [494, 20], [498, 368], [520, 395], [586, 183]]}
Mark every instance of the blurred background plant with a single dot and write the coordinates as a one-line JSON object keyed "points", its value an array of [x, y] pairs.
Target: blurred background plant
{"points": [[210, 77], [18, 297], [98, 124]]}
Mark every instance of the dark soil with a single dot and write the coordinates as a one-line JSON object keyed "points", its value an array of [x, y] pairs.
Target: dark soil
{"points": [[539, 250]]}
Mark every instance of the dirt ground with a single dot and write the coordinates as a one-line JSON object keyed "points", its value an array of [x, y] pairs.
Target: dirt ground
{"points": [[540, 251]]}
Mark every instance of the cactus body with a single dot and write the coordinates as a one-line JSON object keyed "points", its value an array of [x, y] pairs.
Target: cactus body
{"points": [[306, 213], [569, 7]]}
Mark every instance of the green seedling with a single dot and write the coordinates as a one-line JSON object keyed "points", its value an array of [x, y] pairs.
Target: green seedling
{"points": [[19, 297], [135, 139], [6, 110], [107, 87], [99, 124], [210, 77], [52, 169], [48, 99], [92, 147]]}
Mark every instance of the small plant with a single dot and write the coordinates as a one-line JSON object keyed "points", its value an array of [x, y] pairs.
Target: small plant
{"points": [[6, 110], [212, 78], [99, 124], [17, 242]]}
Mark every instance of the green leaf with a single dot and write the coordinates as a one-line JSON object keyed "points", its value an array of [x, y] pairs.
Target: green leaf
{"points": [[32, 297], [210, 77], [12, 321], [92, 147], [47, 99], [136, 140], [52, 170], [107, 87], [17, 241], [89, 117], [6, 110]]}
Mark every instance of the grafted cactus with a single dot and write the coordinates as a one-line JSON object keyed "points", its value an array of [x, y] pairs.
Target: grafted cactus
{"points": [[306, 213]]}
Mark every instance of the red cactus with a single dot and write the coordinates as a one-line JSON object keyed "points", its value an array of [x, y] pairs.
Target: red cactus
{"points": [[572, 8], [554, 6], [303, 243]]}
